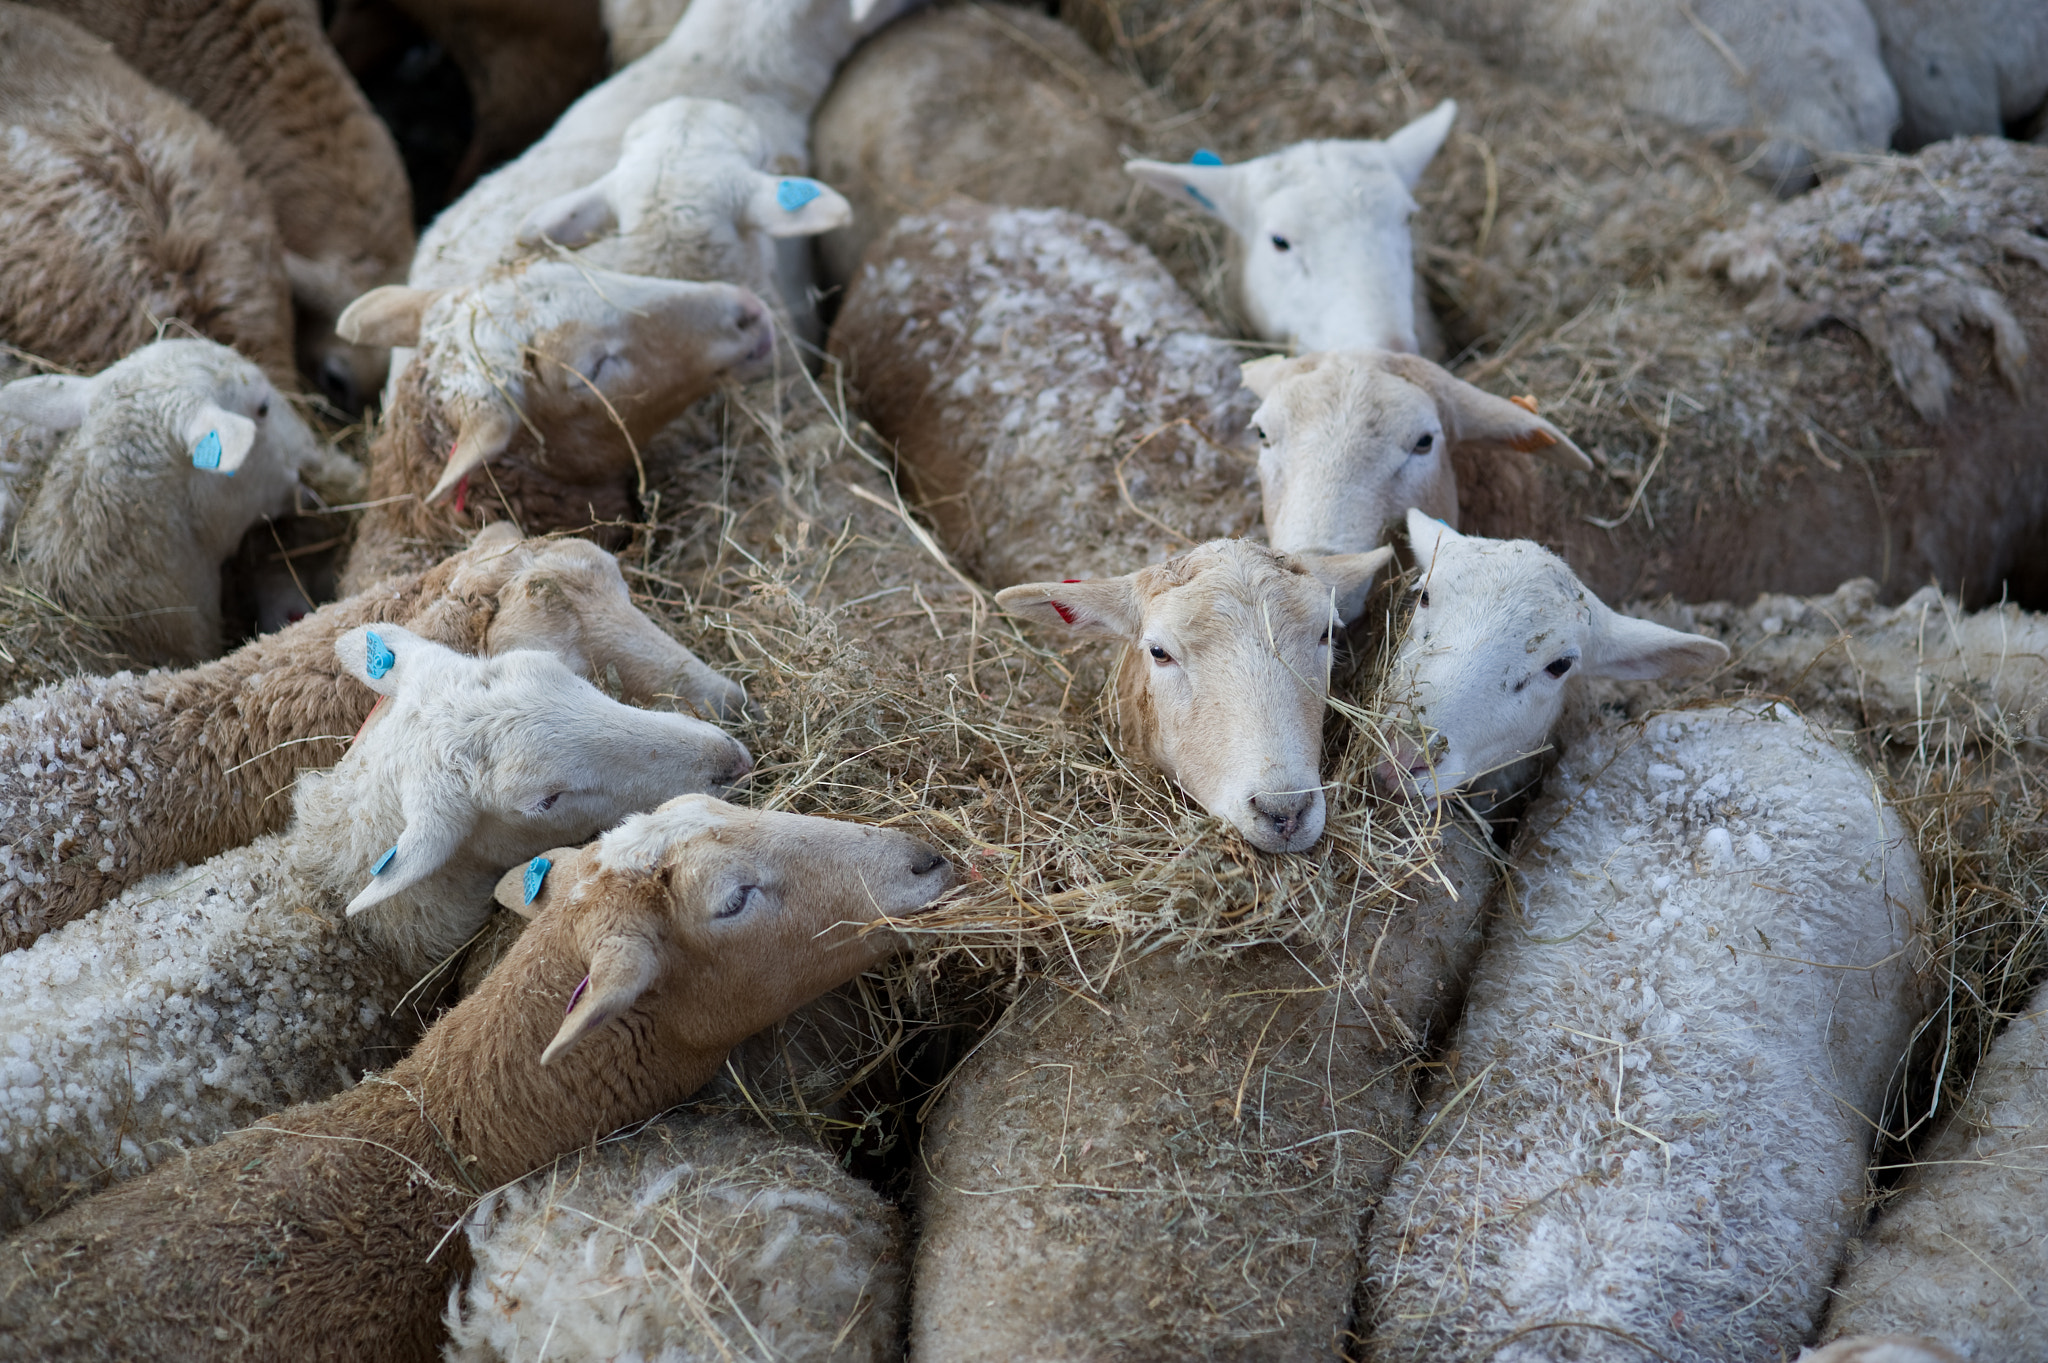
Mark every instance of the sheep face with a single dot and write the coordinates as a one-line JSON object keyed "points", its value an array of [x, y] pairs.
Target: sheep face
{"points": [[1322, 231], [1350, 439], [689, 199], [1225, 670], [591, 362], [1501, 628], [723, 920], [321, 291]]}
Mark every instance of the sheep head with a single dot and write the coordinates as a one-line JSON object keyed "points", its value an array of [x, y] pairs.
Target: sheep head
{"points": [[1501, 629], [1322, 227], [322, 289], [1350, 439], [1225, 670]]}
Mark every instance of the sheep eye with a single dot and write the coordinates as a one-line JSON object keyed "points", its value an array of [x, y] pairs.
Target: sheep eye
{"points": [[1260, 432], [1560, 667], [1281, 243], [263, 409], [547, 802], [1161, 656], [739, 901], [1324, 642], [1426, 444], [1422, 599]]}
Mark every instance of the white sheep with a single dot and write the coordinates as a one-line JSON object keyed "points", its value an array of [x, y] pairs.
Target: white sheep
{"points": [[1654, 1135], [1960, 1254], [205, 997], [1323, 256], [1962, 69], [105, 780], [122, 210], [263, 73], [1350, 439], [545, 381], [173, 453], [322, 1232]]}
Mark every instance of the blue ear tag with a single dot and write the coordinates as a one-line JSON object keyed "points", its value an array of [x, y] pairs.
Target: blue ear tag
{"points": [[384, 861], [380, 659], [536, 872], [1205, 157], [794, 194], [206, 454]]}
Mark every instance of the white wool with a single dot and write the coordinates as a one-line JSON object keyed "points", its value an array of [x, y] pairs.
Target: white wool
{"points": [[695, 1238], [1672, 1049]]}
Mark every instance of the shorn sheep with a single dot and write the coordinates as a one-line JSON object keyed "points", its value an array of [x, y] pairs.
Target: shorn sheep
{"points": [[106, 780], [1654, 1132], [172, 454], [530, 397], [263, 73], [123, 210], [205, 997], [695, 927]]}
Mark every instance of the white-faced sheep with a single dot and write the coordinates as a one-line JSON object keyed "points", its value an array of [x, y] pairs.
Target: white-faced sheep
{"points": [[106, 780], [123, 210], [321, 1232], [1978, 67], [1653, 1135], [1960, 1254], [541, 383], [173, 453], [1174, 1164], [263, 73], [205, 997]]}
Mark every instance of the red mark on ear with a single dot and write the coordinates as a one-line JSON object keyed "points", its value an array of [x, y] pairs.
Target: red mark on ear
{"points": [[1527, 402], [1066, 581], [1065, 614], [367, 718], [1532, 440], [461, 493]]}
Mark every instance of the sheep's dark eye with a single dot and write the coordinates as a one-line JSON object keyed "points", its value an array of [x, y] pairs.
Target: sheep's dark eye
{"points": [[1324, 642], [1422, 599], [1281, 243], [263, 409], [1560, 667], [1259, 431], [547, 802], [1426, 444], [739, 901], [1161, 656]]}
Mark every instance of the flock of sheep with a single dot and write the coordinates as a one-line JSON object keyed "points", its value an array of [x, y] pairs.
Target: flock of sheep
{"points": [[1601, 1078]]}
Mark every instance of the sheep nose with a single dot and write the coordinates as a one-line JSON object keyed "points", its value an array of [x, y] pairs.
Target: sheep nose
{"points": [[337, 382], [742, 763], [1285, 810], [749, 314], [927, 861]]}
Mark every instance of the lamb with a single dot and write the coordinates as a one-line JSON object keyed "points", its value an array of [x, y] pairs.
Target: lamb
{"points": [[1959, 1254], [106, 780], [205, 997], [1753, 971], [1350, 439], [1963, 70], [173, 453], [543, 381], [263, 73], [123, 212], [693, 927]]}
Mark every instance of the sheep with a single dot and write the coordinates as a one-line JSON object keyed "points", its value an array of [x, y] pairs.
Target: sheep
{"points": [[1791, 83], [106, 780], [694, 927], [1350, 439], [1881, 1349], [1715, 902], [1974, 69], [634, 28], [1959, 1254], [1173, 1163], [124, 212], [691, 1237], [263, 73], [173, 453], [204, 997], [543, 380]]}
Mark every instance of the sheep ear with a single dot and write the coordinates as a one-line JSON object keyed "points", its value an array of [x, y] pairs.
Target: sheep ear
{"points": [[532, 886], [1412, 148], [388, 316], [1216, 189], [1628, 649], [316, 285], [795, 206], [621, 968], [1477, 417], [1348, 576], [437, 822], [385, 657], [1427, 534], [219, 439], [55, 402], [1262, 376], [1106, 606], [481, 438], [572, 220]]}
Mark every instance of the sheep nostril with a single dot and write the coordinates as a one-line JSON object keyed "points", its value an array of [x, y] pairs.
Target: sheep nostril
{"points": [[751, 315], [928, 862]]}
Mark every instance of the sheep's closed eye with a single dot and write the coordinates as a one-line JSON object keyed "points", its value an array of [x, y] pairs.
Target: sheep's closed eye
{"points": [[1281, 243], [739, 901], [547, 802]]}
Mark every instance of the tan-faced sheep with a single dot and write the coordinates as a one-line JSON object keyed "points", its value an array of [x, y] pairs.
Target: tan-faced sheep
{"points": [[205, 997], [173, 453], [531, 396], [700, 925], [124, 211], [106, 780], [263, 73], [1654, 1132]]}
